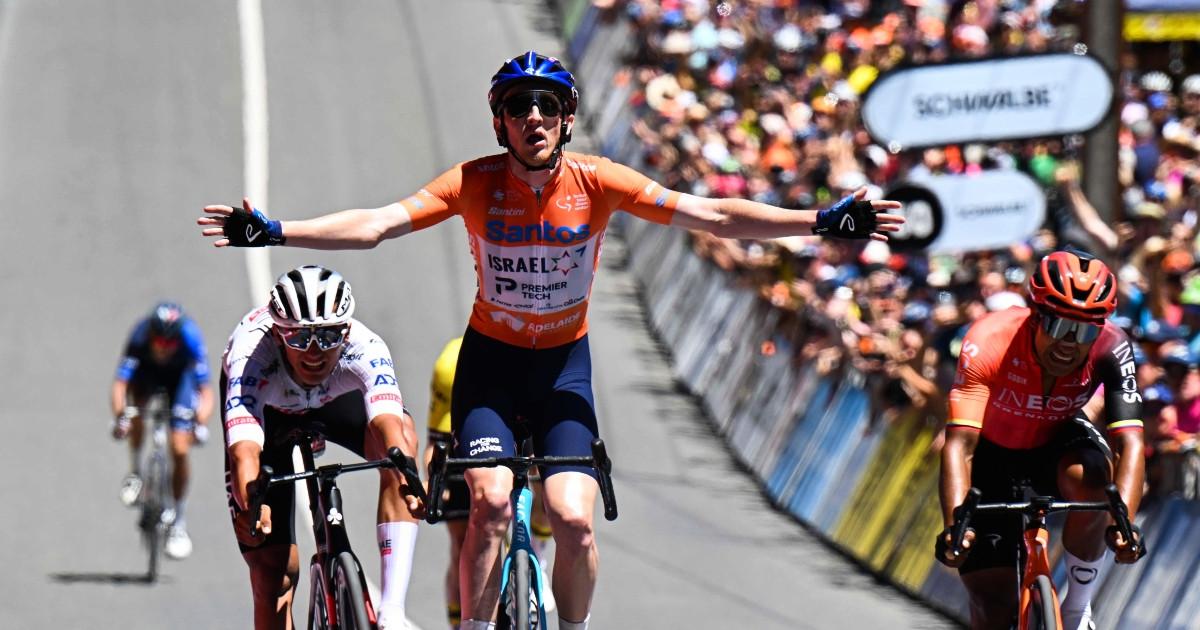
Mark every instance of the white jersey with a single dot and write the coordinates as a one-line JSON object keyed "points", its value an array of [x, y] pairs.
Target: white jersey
{"points": [[254, 366]]}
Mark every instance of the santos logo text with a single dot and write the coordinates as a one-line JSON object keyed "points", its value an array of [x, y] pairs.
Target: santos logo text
{"points": [[533, 232]]}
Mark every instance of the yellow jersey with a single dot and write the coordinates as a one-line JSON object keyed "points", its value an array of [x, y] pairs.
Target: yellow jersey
{"points": [[441, 386]]}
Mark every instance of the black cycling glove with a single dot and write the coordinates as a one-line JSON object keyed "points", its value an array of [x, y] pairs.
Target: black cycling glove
{"points": [[252, 229], [846, 219]]}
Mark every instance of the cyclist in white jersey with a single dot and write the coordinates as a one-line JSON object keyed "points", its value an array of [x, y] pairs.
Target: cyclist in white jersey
{"points": [[302, 361]]}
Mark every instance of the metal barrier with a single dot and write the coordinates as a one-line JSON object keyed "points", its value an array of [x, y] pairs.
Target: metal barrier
{"points": [[809, 439]]}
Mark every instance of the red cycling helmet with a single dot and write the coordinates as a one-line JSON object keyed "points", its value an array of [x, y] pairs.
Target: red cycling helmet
{"points": [[1074, 285]]}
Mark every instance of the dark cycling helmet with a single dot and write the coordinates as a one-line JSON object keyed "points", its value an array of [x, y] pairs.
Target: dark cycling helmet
{"points": [[1074, 285], [531, 68], [535, 70], [166, 321]]}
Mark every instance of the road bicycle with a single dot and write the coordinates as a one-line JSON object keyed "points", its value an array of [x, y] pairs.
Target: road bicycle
{"points": [[521, 601], [1038, 601], [338, 595], [155, 514]]}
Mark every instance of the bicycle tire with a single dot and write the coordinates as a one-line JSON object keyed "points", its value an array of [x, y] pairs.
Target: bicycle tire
{"points": [[152, 513], [350, 597], [318, 600], [1042, 611], [523, 589]]}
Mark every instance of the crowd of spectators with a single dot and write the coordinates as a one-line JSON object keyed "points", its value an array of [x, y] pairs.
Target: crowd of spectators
{"points": [[761, 99]]}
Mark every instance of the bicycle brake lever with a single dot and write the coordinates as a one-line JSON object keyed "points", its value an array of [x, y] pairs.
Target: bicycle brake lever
{"points": [[408, 468], [261, 484]]}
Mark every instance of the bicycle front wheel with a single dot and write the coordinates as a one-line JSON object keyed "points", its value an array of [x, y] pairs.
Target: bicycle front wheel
{"points": [[350, 594], [1043, 605], [318, 598], [154, 502]]}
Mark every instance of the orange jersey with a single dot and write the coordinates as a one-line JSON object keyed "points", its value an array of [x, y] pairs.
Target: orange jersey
{"points": [[536, 253], [998, 389]]}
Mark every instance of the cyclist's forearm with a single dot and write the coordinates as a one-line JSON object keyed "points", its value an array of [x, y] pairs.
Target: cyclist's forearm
{"points": [[741, 218], [1130, 468], [392, 430], [119, 391], [956, 473], [204, 404], [244, 466], [360, 228]]}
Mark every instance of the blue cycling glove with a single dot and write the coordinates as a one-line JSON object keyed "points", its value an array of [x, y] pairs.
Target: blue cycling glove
{"points": [[846, 219], [252, 229]]}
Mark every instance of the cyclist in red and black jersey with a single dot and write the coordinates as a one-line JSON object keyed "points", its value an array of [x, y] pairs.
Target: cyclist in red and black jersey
{"points": [[1016, 413]]}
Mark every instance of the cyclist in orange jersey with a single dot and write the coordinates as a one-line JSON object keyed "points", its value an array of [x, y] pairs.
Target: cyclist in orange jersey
{"points": [[1024, 378], [536, 217]]}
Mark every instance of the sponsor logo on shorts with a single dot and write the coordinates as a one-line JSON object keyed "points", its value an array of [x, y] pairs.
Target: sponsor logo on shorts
{"points": [[485, 445]]}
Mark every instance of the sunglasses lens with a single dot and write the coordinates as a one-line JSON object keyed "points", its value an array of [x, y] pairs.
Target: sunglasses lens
{"points": [[298, 338], [1061, 328], [328, 338], [519, 105]]}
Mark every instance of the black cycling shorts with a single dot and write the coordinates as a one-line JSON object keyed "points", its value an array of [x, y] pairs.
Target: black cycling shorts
{"points": [[550, 389], [342, 421], [998, 537]]}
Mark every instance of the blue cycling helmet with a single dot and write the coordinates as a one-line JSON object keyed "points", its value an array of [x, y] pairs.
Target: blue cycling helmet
{"points": [[166, 321], [533, 68]]}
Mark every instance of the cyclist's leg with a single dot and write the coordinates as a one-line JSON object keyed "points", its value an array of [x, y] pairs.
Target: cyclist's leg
{"points": [[568, 426], [484, 434], [989, 572], [1081, 472], [991, 594], [274, 566], [346, 423], [489, 373], [140, 386], [457, 529], [183, 418]]}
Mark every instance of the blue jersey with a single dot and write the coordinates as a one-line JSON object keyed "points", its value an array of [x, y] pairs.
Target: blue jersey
{"points": [[190, 357]]}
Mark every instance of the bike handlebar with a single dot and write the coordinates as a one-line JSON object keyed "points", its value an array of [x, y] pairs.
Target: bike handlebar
{"points": [[396, 458], [1040, 506], [442, 464]]}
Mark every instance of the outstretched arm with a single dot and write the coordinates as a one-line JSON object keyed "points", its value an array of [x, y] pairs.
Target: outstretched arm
{"points": [[741, 218], [361, 228]]}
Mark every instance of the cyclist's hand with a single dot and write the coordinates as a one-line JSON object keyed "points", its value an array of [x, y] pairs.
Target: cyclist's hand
{"points": [[854, 217], [1124, 552], [415, 505], [121, 424], [200, 434], [943, 551], [250, 531], [241, 227]]}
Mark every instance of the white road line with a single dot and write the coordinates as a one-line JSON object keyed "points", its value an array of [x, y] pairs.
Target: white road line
{"points": [[254, 126]]}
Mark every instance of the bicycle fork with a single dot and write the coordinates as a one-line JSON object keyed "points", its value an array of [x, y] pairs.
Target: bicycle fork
{"points": [[522, 501]]}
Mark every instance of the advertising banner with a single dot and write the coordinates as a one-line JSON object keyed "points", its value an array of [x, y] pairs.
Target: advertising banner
{"points": [[963, 213], [992, 99]]}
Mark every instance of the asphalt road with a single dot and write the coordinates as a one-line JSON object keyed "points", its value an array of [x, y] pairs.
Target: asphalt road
{"points": [[120, 120]]}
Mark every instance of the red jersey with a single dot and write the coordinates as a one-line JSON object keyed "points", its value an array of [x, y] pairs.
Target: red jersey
{"points": [[536, 251], [998, 389]]}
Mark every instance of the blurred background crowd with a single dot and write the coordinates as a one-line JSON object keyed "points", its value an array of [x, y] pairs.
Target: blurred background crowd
{"points": [[761, 99]]}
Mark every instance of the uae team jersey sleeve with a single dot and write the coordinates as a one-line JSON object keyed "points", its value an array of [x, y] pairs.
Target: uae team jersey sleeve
{"points": [[976, 369], [633, 192], [376, 376]]}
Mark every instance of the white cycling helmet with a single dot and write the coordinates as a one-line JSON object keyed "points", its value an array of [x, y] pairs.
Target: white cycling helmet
{"points": [[311, 295]]}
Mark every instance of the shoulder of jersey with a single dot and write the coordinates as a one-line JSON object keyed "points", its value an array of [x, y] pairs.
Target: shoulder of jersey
{"points": [[582, 162], [486, 164]]}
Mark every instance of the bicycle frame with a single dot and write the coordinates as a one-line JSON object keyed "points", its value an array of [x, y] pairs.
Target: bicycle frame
{"points": [[1033, 559], [329, 531], [521, 498]]}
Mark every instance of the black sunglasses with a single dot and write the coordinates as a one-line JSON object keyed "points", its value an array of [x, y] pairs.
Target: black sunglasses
{"points": [[518, 105], [327, 337], [1060, 327]]}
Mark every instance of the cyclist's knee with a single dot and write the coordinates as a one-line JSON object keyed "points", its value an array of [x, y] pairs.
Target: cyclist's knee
{"points": [[274, 571], [490, 509], [573, 529], [1082, 476], [181, 443]]}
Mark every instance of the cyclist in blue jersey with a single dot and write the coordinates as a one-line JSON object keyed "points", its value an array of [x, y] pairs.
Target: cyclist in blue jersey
{"points": [[165, 352]]}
